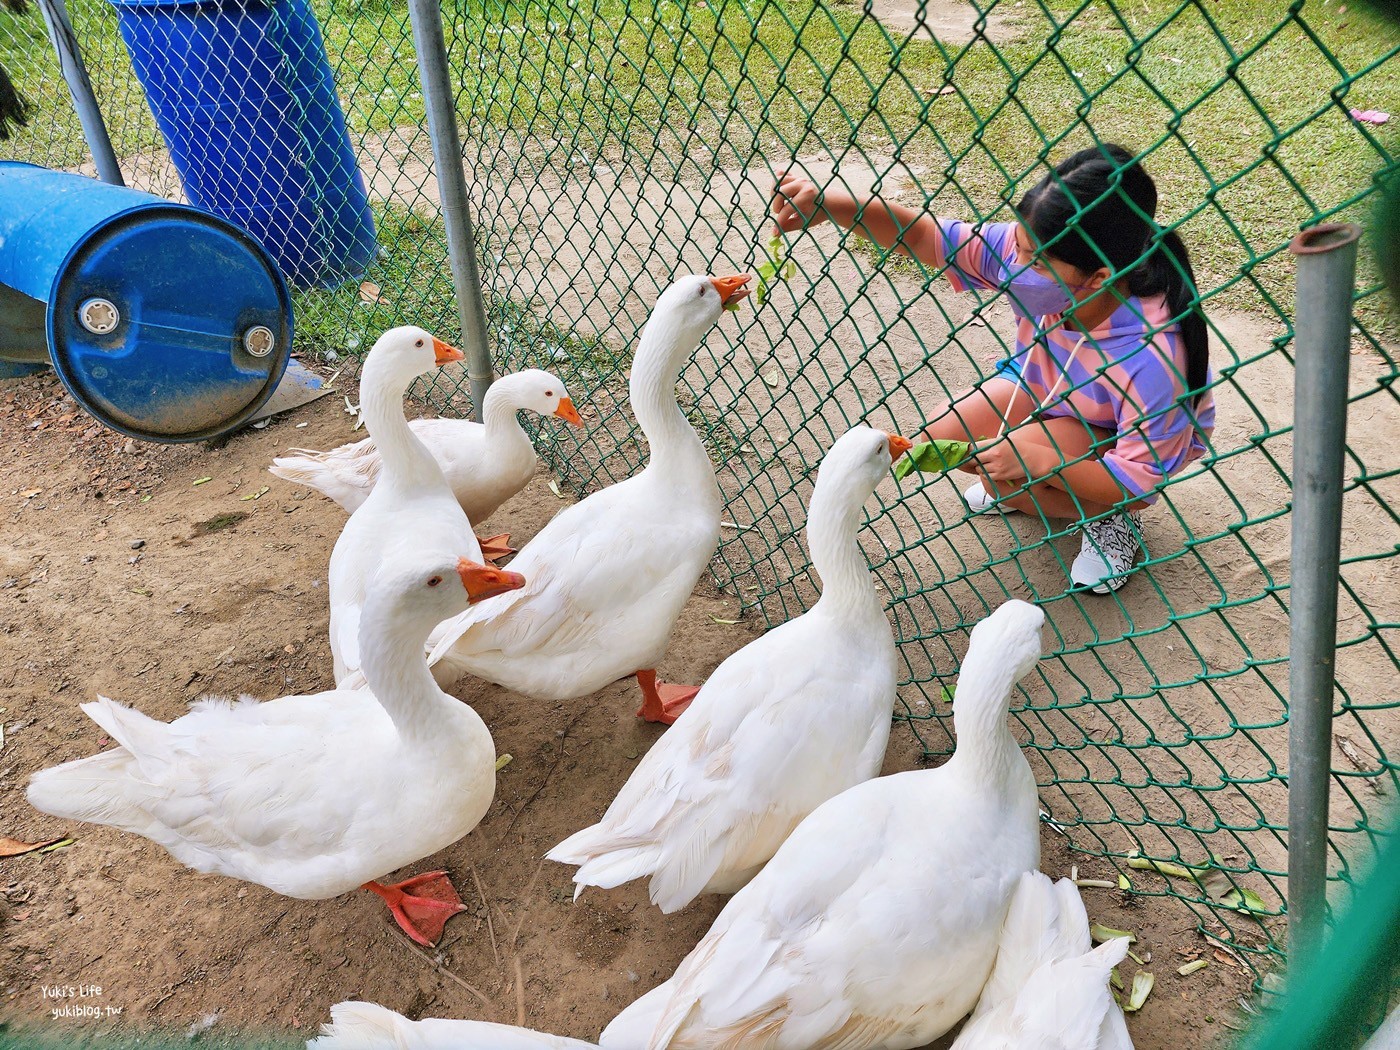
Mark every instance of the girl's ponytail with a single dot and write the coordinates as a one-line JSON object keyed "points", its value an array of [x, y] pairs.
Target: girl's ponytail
{"points": [[1168, 271]]}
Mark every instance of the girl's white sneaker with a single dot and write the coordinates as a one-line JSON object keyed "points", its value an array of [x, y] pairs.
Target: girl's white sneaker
{"points": [[980, 501]]}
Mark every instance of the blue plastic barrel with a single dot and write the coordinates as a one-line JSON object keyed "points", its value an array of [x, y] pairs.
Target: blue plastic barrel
{"points": [[163, 321], [243, 95]]}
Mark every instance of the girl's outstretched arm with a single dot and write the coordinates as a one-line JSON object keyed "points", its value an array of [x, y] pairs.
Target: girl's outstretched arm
{"points": [[798, 203]]}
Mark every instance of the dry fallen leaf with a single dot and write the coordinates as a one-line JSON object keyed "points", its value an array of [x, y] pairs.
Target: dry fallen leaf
{"points": [[370, 293], [14, 847]]}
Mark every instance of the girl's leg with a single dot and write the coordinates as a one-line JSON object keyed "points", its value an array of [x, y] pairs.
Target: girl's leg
{"points": [[1070, 438], [981, 414]]}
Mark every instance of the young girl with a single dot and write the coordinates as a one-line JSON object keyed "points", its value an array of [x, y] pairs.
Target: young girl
{"points": [[1105, 397]]}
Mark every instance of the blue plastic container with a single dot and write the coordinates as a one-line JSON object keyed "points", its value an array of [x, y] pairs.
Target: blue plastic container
{"points": [[243, 95], [163, 321]]}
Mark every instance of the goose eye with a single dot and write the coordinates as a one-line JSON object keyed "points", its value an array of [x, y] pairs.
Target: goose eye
{"points": [[434, 581], [419, 343], [549, 393], [700, 292]]}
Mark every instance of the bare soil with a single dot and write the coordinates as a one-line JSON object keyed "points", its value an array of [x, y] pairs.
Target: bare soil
{"points": [[123, 576]]}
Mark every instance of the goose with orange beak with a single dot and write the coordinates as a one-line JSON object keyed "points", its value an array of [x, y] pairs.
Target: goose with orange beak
{"points": [[609, 575], [306, 795], [485, 463], [411, 509], [794, 718]]}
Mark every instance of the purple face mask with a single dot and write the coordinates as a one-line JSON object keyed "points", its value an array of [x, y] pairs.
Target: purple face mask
{"points": [[1033, 295]]}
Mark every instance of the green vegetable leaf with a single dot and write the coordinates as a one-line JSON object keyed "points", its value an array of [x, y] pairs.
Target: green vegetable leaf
{"points": [[1142, 988], [1245, 900], [1192, 967], [932, 457], [1108, 933]]}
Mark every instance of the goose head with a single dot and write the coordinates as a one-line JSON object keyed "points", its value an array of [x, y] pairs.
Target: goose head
{"points": [[402, 354], [421, 593], [539, 391], [860, 458], [1008, 639], [692, 304]]}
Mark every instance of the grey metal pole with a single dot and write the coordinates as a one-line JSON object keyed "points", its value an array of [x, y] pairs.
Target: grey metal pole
{"points": [[70, 60], [426, 16], [1322, 336]]}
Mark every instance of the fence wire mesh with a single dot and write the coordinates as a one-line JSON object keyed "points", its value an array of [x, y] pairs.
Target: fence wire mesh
{"points": [[611, 145]]}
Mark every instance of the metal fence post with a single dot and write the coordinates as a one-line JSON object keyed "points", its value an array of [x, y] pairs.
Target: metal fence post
{"points": [[1322, 339], [70, 61], [438, 97]]}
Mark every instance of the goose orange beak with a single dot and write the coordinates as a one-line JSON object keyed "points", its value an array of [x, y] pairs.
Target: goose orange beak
{"points": [[567, 412], [899, 446], [445, 353], [482, 581], [731, 289]]}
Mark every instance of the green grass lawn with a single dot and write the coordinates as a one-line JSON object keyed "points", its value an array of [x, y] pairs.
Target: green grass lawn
{"points": [[1237, 104]]}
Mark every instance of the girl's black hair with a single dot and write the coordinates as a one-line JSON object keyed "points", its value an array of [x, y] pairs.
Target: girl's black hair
{"points": [[1119, 229]]}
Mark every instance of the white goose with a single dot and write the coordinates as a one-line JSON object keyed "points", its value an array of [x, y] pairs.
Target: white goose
{"points": [[789, 721], [609, 575], [365, 1026], [485, 463], [1048, 989], [311, 796], [876, 923], [411, 508]]}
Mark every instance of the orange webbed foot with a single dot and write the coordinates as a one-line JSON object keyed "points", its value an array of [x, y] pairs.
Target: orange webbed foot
{"points": [[661, 701], [494, 548], [423, 914]]}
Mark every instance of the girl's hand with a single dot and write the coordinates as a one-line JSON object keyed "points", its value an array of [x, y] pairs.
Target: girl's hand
{"points": [[1007, 459], [797, 203]]}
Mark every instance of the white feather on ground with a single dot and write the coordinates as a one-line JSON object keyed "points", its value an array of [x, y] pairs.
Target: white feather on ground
{"points": [[364, 1026]]}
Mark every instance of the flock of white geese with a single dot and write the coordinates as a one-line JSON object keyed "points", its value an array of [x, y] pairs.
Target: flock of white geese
{"points": [[867, 912]]}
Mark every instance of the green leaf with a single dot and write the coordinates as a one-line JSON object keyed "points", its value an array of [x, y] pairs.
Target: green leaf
{"points": [[1124, 883], [1192, 967], [1142, 988], [1245, 900], [1164, 867], [932, 457], [1108, 933], [1114, 979], [60, 844], [946, 694]]}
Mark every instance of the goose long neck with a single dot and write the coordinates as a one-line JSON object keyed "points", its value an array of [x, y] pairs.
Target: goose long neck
{"points": [[406, 459], [833, 519], [398, 676], [656, 368], [985, 744], [500, 416]]}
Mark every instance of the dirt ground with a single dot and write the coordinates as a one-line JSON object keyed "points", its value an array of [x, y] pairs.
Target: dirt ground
{"points": [[122, 575]]}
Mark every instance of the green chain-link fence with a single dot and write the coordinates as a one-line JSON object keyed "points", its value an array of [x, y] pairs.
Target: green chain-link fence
{"points": [[611, 145]]}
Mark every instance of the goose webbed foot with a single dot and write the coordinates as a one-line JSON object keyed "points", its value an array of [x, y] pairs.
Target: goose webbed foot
{"points": [[423, 913]]}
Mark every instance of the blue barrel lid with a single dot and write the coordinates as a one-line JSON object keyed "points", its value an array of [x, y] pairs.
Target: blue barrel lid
{"points": [[169, 324]]}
